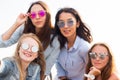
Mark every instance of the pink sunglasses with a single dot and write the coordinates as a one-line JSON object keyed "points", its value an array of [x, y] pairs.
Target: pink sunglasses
{"points": [[41, 13]]}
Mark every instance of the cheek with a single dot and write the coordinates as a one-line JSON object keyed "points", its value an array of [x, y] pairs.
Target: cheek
{"points": [[73, 29], [92, 61], [33, 21], [61, 30], [105, 62], [36, 55], [20, 52]]}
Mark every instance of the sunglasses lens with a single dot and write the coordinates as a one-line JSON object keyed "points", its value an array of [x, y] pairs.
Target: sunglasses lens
{"points": [[35, 49], [61, 24], [25, 46], [70, 23], [33, 15], [41, 13], [102, 56], [93, 55]]}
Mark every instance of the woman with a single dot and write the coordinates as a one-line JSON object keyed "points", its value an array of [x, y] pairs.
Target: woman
{"points": [[28, 63], [74, 38], [100, 65], [37, 21]]}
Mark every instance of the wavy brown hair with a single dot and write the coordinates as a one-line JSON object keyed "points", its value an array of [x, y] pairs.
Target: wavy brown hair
{"points": [[107, 70], [39, 60], [45, 32]]}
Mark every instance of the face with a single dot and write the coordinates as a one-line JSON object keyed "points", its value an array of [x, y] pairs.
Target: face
{"points": [[38, 16], [99, 57], [28, 50], [67, 25]]}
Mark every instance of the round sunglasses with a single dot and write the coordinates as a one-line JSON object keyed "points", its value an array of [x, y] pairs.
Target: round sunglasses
{"points": [[101, 56], [26, 46], [41, 13], [69, 23]]}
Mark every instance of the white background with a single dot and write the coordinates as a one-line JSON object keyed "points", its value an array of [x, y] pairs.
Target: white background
{"points": [[102, 16]]}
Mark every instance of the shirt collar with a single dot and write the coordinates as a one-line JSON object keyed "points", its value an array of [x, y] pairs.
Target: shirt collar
{"points": [[76, 43]]}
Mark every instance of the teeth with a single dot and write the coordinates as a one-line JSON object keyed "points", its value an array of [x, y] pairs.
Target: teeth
{"points": [[67, 31], [28, 55]]}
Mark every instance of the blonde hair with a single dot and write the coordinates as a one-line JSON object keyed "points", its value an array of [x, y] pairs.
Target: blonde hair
{"points": [[39, 60]]}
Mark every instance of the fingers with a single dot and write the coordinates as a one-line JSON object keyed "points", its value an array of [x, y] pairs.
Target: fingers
{"points": [[94, 71], [92, 68], [27, 14]]}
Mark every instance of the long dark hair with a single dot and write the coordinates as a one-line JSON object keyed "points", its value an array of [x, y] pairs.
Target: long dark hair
{"points": [[82, 30], [107, 70], [45, 32]]}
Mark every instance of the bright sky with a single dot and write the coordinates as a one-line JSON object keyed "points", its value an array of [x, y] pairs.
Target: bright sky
{"points": [[102, 16]]}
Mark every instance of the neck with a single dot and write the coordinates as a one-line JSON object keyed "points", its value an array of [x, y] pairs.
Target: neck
{"points": [[71, 41], [37, 30], [24, 65]]}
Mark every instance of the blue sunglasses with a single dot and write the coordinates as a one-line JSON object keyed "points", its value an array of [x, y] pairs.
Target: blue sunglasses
{"points": [[69, 23]]}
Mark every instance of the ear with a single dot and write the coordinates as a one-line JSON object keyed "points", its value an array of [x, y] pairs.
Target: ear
{"points": [[78, 24]]}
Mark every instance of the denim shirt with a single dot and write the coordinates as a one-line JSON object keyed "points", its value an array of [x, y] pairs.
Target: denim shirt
{"points": [[9, 70], [51, 53], [72, 62]]}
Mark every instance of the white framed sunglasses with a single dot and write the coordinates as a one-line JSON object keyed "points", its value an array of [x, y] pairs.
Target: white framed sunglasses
{"points": [[26, 46], [101, 56]]}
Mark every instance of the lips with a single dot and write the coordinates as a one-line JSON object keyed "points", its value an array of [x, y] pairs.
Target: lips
{"points": [[27, 54], [66, 31], [38, 22], [97, 63]]}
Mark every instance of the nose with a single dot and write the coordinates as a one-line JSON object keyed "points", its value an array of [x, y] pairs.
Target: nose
{"points": [[66, 25], [37, 16], [29, 50], [97, 58]]}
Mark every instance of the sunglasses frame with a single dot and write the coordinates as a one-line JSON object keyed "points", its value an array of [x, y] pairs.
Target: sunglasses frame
{"points": [[69, 23], [101, 56], [26, 46], [41, 13]]}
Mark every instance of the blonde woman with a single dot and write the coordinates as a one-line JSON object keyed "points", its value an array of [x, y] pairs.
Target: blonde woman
{"points": [[28, 63]]}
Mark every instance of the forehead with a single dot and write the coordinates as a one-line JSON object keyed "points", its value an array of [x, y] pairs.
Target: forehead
{"points": [[99, 49], [66, 16], [29, 40], [36, 8]]}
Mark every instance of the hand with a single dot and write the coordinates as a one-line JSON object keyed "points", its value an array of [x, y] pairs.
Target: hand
{"points": [[63, 78], [21, 18], [94, 71]]}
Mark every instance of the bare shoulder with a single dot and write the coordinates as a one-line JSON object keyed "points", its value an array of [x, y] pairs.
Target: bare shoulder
{"points": [[114, 76]]}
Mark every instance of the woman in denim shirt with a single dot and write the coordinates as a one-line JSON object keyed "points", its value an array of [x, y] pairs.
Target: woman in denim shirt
{"points": [[28, 63], [37, 21], [74, 38]]}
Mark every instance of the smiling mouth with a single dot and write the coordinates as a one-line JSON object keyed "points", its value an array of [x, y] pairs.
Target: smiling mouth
{"points": [[27, 54]]}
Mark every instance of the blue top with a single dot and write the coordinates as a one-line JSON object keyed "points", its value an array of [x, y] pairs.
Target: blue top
{"points": [[51, 52], [9, 70], [72, 62]]}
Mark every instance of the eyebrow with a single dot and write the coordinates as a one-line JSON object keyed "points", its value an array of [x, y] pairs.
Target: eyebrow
{"points": [[67, 19]]}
